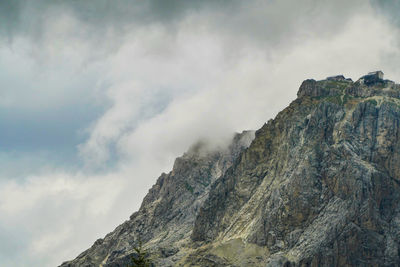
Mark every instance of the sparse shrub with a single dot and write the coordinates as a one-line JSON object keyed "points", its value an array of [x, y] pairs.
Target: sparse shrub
{"points": [[141, 259]]}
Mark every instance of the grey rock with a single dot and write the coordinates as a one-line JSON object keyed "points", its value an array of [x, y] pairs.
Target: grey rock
{"points": [[336, 78], [165, 219], [318, 186]]}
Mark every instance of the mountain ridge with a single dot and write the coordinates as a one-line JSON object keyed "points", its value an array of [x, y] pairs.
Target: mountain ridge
{"points": [[317, 186], [171, 203]]}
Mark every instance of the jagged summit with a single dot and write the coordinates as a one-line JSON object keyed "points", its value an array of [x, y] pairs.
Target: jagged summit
{"points": [[373, 75], [165, 219], [338, 78], [369, 85], [319, 185]]}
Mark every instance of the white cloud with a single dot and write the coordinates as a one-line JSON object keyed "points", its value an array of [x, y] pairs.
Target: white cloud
{"points": [[59, 212]]}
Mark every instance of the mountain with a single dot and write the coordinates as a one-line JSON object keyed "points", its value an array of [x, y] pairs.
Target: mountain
{"points": [[165, 219], [319, 185]]}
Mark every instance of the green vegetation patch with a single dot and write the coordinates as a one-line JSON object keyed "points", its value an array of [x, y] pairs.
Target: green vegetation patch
{"points": [[341, 85], [336, 99]]}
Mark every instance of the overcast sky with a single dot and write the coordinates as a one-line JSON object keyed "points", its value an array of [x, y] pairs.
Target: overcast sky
{"points": [[99, 97]]}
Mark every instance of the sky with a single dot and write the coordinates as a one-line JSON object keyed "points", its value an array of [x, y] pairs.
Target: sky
{"points": [[97, 98]]}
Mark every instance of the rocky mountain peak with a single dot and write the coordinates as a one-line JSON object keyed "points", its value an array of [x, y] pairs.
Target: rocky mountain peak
{"points": [[316, 186], [368, 85], [165, 219]]}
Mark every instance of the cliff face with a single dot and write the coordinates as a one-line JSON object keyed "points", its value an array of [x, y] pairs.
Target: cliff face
{"points": [[318, 186], [165, 219]]}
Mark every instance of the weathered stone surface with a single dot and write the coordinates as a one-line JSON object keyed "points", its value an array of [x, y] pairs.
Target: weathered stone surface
{"points": [[318, 186], [165, 219], [336, 78]]}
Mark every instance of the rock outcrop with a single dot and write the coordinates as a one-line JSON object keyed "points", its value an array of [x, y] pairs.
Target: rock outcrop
{"points": [[165, 219], [318, 186]]}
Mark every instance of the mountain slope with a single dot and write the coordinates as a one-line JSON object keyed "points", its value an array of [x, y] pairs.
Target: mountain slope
{"points": [[318, 186], [165, 219]]}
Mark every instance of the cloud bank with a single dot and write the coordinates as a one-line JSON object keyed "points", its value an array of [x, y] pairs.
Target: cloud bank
{"points": [[98, 98]]}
